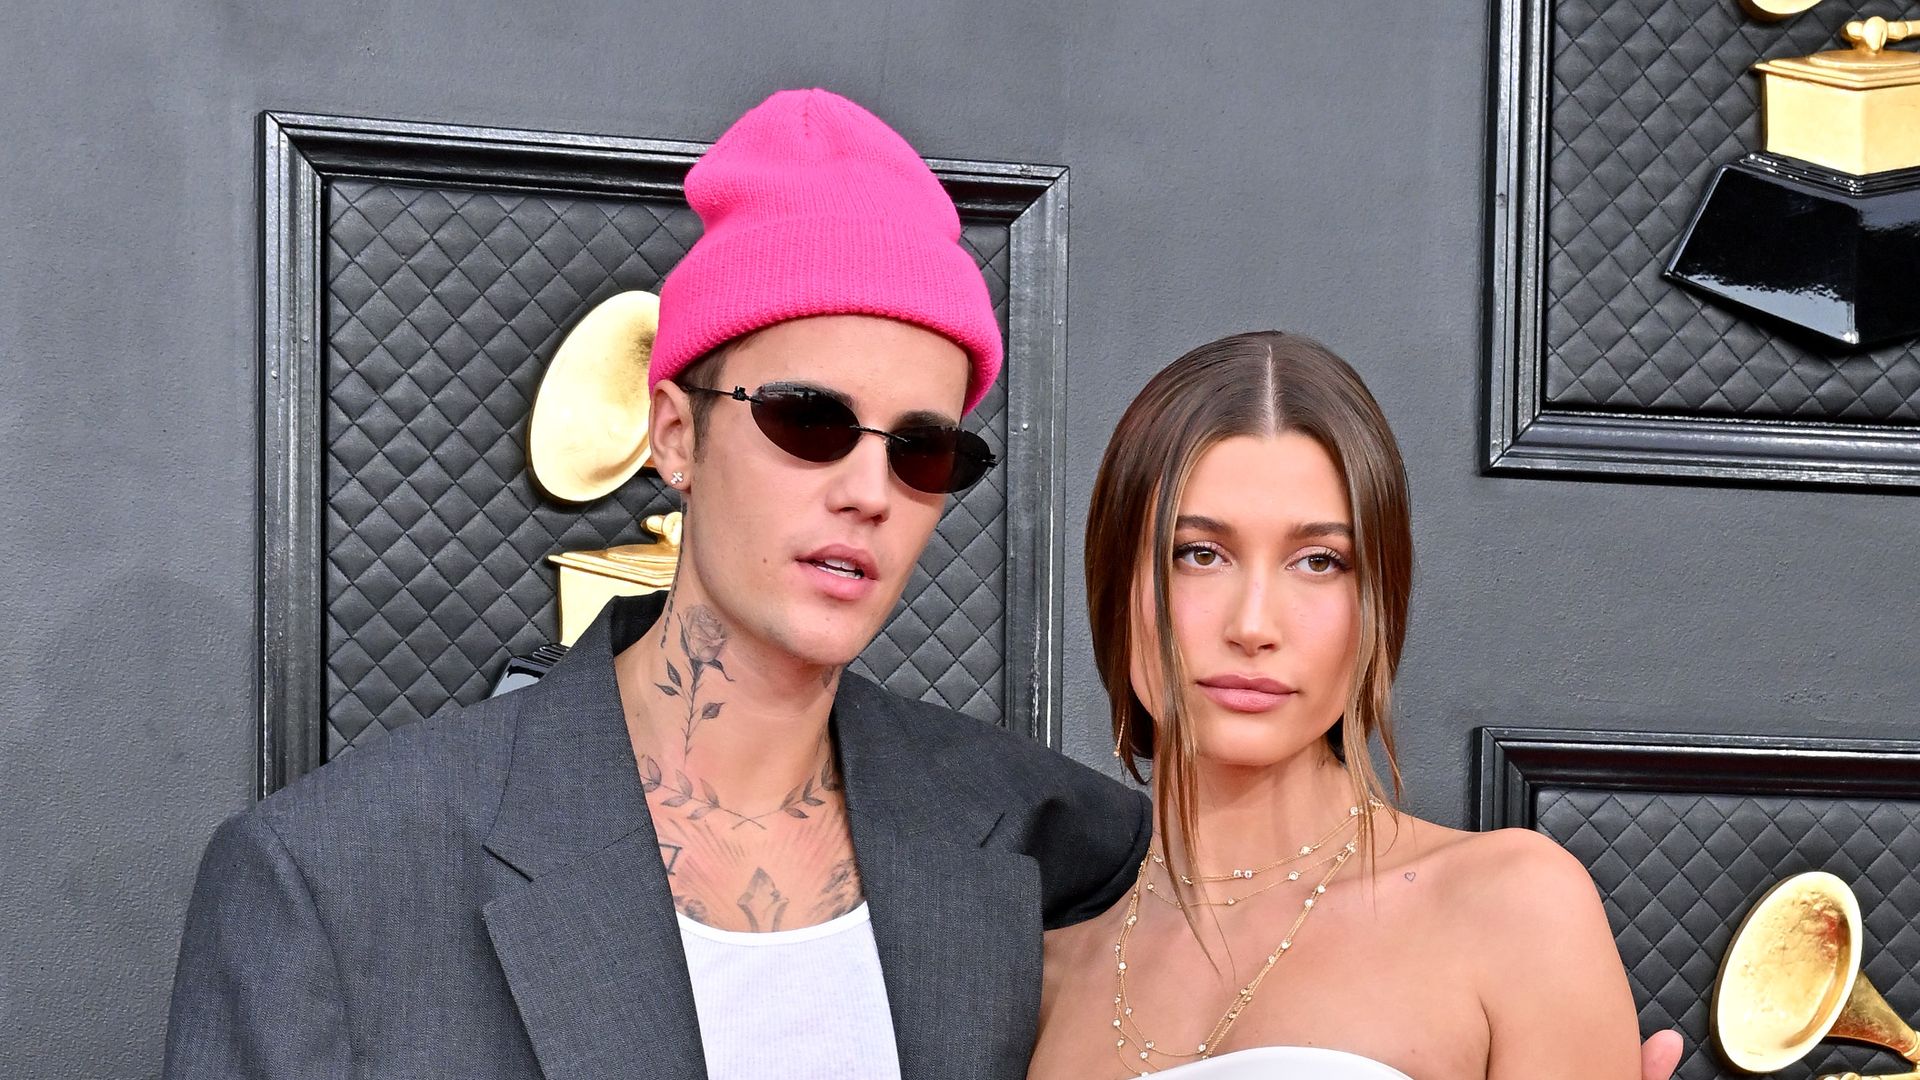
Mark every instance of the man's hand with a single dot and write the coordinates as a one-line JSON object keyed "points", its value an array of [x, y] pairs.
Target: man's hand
{"points": [[1660, 1055]]}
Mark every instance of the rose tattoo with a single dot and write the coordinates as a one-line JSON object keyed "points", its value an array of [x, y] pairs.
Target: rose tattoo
{"points": [[703, 637]]}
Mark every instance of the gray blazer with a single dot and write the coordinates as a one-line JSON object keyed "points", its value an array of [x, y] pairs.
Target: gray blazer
{"points": [[481, 894]]}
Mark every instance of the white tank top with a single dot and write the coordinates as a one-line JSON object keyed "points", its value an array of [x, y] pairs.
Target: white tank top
{"points": [[792, 1003]]}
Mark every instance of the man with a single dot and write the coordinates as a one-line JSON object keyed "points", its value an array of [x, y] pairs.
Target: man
{"points": [[697, 847], [493, 893]]}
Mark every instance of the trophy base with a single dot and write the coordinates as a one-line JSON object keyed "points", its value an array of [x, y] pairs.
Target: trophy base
{"points": [[529, 669], [1835, 255]]}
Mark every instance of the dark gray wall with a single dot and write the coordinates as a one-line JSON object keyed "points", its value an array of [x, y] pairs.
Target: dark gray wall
{"points": [[1263, 165]]}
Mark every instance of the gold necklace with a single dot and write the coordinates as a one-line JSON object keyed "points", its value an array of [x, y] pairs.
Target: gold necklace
{"points": [[1353, 813], [1292, 875], [1129, 1034]]}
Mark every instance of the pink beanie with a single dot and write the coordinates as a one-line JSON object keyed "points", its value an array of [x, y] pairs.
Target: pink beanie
{"points": [[813, 206]]}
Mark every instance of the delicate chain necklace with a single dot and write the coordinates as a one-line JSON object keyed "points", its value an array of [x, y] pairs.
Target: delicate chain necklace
{"points": [[1292, 875], [1353, 812], [1128, 1035]]}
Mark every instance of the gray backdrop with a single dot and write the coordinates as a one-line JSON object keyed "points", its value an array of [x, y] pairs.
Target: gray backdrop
{"points": [[1261, 165]]}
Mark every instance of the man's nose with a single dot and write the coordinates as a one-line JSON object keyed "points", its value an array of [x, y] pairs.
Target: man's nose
{"points": [[863, 480]]}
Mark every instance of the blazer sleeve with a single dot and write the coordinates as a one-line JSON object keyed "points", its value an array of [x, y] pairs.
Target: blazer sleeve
{"points": [[1091, 837], [257, 992]]}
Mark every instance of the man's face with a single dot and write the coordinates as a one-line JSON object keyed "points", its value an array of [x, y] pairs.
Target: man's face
{"points": [[807, 558]]}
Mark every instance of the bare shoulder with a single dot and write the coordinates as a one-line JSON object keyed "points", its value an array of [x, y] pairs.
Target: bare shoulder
{"points": [[1506, 882], [1532, 932], [1516, 918], [1516, 895], [1518, 870]]}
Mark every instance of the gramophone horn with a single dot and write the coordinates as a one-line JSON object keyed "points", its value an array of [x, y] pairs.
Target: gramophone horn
{"points": [[1775, 10], [1792, 977], [589, 431]]}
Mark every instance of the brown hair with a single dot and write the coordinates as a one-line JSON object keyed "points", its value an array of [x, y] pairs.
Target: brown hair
{"points": [[1258, 384]]}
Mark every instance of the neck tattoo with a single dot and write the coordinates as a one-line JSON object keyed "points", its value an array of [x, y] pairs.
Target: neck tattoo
{"points": [[682, 792], [703, 640], [703, 637]]}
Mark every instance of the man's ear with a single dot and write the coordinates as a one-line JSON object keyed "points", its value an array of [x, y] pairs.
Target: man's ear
{"points": [[670, 423]]}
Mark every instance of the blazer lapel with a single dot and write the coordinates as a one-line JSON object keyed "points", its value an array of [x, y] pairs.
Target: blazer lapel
{"points": [[957, 926], [589, 943]]}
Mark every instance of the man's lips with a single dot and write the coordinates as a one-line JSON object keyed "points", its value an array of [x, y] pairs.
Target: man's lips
{"points": [[1245, 693], [840, 572], [849, 562]]}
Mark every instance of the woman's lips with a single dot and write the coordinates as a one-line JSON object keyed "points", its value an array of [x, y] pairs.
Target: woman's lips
{"points": [[1243, 694]]}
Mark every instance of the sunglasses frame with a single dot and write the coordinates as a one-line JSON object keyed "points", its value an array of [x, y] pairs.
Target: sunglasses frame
{"points": [[894, 440]]}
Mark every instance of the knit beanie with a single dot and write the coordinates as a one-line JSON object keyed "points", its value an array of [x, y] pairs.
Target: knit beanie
{"points": [[813, 206]]}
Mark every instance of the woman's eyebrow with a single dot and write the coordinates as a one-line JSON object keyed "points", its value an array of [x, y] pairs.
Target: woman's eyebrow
{"points": [[1205, 524], [1202, 523]]}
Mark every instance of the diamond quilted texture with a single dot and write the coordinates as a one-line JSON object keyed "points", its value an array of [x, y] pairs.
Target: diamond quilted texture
{"points": [[1649, 99], [444, 306], [1677, 873]]}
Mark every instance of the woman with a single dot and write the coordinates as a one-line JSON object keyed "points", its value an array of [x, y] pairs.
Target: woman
{"points": [[1288, 921]]}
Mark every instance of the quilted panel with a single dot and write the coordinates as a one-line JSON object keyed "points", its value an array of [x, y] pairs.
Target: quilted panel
{"points": [[1648, 99], [1679, 871], [443, 307]]}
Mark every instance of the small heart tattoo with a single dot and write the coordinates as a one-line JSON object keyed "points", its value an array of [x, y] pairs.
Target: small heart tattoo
{"points": [[1409, 875]]}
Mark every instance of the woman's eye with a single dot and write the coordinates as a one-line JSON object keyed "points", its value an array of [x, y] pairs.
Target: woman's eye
{"points": [[1321, 562], [1198, 556]]}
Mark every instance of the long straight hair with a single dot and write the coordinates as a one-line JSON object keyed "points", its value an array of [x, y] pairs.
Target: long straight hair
{"points": [[1258, 384]]}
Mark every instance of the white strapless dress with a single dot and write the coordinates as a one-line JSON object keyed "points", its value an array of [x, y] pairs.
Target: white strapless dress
{"points": [[1284, 1063]]}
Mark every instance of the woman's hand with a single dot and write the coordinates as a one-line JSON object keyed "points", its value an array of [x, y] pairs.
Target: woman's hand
{"points": [[1660, 1055]]}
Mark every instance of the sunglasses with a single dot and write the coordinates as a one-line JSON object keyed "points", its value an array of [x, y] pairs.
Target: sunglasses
{"points": [[814, 425]]}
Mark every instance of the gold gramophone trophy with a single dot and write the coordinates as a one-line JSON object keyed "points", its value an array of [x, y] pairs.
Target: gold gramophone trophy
{"points": [[589, 434], [1821, 231], [1791, 977]]}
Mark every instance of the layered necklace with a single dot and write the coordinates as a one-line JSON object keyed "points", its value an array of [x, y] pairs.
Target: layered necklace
{"points": [[1136, 1050], [1306, 851]]}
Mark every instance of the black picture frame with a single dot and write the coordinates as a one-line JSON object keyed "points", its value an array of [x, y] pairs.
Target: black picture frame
{"points": [[1525, 436], [1515, 762], [302, 153], [1674, 914]]}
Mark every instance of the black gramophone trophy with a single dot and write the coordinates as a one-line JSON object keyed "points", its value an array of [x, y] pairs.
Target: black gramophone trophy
{"points": [[1821, 231]]}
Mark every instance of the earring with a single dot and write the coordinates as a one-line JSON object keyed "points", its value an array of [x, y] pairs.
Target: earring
{"points": [[677, 478]]}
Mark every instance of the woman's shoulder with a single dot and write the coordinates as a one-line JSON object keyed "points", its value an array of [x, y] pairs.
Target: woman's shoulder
{"points": [[1503, 852], [1521, 862], [1510, 887], [1521, 922]]}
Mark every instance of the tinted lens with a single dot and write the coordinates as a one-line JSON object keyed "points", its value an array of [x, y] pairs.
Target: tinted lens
{"points": [[808, 425], [938, 460]]}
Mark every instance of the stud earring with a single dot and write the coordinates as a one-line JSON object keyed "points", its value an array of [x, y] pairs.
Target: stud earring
{"points": [[677, 478]]}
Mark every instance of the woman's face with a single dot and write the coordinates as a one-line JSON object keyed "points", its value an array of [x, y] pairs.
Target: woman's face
{"points": [[1266, 609]]}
